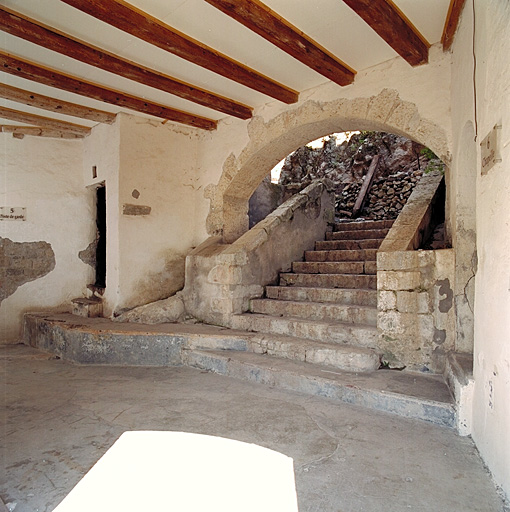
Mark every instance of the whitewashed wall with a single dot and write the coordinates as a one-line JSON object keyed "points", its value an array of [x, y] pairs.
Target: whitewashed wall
{"points": [[158, 161], [44, 175], [488, 198], [145, 164]]}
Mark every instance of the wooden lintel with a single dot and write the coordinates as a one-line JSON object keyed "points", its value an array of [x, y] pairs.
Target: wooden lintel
{"points": [[45, 122], [33, 99], [32, 71], [138, 23], [18, 132], [26, 28], [393, 26], [451, 23], [256, 16]]}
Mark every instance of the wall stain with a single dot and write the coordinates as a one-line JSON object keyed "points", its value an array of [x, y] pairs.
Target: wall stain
{"points": [[439, 336]]}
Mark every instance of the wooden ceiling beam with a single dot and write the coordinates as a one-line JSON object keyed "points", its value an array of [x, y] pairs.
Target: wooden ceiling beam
{"points": [[394, 27], [26, 28], [139, 24], [18, 132], [47, 76], [259, 18], [33, 99], [46, 122], [451, 23]]}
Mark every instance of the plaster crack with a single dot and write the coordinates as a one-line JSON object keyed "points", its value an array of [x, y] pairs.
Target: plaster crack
{"points": [[466, 294]]}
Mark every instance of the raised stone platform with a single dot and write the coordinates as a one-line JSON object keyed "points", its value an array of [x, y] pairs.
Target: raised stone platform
{"points": [[249, 356]]}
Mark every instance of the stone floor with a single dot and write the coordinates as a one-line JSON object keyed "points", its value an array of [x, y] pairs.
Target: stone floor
{"points": [[59, 419]]}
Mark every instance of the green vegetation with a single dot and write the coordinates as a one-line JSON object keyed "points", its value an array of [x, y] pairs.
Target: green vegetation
{"points": [[434, 163]]}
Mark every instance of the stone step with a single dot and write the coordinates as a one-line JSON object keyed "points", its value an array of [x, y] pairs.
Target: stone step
{"points": [[407, 394], [347, 245], [364, 281], [357, 235], [365, 224], [320, 330], [343, 357], [316, 311], [339, 295], [339, 255], [334, 267]]}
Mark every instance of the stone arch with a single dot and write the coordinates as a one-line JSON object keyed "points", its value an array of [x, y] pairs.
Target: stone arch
{"points": [[272, 141]]}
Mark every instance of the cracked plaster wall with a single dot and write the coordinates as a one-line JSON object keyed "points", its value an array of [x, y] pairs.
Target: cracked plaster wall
{"points": [[44, 176], [482, 208]]}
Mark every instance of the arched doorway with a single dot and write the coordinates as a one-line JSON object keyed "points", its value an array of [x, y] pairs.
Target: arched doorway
{"points": [[272, 141]]}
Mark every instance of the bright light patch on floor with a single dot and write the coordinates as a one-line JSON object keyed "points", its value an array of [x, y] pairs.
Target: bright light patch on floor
{"points": [[317, 143], [178, 471]]}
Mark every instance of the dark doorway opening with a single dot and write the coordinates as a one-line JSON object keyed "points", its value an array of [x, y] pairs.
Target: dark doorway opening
{"points": [[101, 237]]}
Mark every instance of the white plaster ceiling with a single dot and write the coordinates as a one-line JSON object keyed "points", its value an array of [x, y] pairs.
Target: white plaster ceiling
{"points": [[329, 22]]}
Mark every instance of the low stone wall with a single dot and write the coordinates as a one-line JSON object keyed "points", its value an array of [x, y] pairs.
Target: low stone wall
{"points": [[416, 318], [222, 278]]}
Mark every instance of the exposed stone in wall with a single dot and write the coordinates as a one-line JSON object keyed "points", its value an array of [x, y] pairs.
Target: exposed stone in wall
{"points": [[88, 255], [22, 262]]}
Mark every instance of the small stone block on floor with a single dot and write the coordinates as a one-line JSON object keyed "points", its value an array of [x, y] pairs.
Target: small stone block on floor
{"points": [[87, 307]]}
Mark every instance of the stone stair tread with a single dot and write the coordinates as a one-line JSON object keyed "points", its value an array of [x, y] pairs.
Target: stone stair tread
{"points": [[339, 255], [343, 333], [298, 319], [361, 244], [356, 224], [351, 311], [408, 394], [328, 267], [317, 303], [357, 234], [360, 296], [345, 357], [350, 281]]}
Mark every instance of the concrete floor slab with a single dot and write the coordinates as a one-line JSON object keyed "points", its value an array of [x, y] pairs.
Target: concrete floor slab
{"points": [[59, 419]]}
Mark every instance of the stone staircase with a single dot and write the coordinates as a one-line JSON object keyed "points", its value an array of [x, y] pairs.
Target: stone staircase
{"points": [[327, 305], [316, 333]]}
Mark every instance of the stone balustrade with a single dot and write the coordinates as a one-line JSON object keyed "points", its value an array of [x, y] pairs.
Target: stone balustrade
{"points": [[222, 278]]}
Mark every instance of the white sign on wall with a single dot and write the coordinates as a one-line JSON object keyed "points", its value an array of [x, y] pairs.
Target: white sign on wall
{"points": [[490, 149], [13, 213]]}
